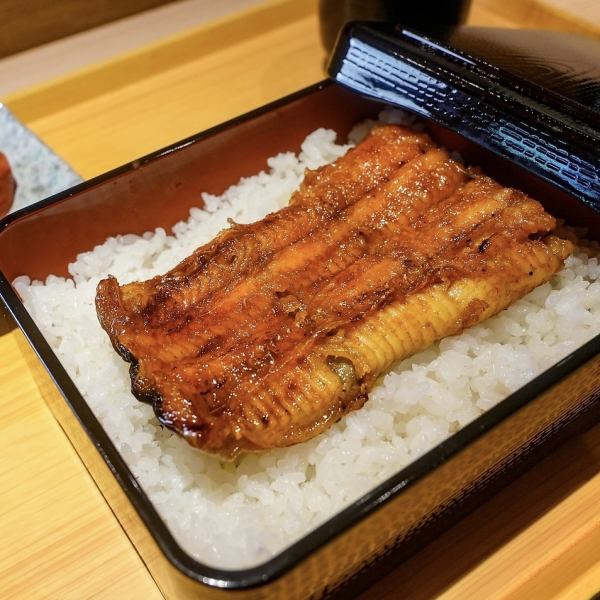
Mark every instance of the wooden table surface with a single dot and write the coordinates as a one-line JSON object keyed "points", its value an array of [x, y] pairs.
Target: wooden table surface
{"points": [[538, 538]]}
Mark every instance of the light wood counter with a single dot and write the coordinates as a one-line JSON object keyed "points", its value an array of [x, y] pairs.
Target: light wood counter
{"points": [[538, 538]]}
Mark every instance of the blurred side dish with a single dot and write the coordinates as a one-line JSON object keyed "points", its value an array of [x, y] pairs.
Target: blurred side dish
{"points": [[8, 186]]}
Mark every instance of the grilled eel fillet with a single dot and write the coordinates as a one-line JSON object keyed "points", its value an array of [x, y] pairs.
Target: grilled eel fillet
{"points": [[270, 333]]}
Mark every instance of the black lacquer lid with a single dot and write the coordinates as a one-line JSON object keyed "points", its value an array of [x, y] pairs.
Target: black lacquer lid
{"points": [[495, 87]]}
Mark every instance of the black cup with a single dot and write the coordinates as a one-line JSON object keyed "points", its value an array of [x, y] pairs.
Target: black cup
{"points": [[422, 15]]}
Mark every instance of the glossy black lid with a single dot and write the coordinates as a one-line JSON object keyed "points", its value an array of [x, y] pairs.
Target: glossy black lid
{"points": [[565, 64], [549, 123]]}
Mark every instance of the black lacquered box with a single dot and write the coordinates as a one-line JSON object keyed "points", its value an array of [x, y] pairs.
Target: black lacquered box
{"points": [[516, 130]]}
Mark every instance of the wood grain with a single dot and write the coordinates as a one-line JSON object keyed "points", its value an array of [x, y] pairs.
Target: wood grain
{"points": [[61, 57], [58, 19], [59, 538], [580, 16], [538, 538]]}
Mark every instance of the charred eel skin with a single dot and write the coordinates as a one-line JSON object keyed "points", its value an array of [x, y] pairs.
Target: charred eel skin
{"points": [[273, 331]]}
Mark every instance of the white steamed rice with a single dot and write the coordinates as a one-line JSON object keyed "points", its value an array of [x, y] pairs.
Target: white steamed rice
{"points": [[235, 516]]}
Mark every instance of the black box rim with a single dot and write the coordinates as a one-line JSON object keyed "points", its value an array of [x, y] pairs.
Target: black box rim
{"points": [[286, 560]]}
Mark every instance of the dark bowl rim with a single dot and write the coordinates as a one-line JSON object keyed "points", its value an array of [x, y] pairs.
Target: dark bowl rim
{"points": [[277, 566]]}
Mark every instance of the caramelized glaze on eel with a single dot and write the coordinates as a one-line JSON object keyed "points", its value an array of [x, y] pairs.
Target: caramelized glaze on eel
{"points": [[273, 331]]}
